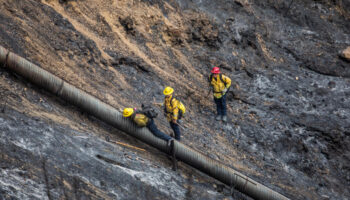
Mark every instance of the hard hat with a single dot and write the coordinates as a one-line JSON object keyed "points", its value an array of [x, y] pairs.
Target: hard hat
{"points": [[168, 90], [128, 112], [215, 70]]}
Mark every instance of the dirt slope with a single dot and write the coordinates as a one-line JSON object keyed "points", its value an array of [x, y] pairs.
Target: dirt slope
{"points": [[288, 108]]}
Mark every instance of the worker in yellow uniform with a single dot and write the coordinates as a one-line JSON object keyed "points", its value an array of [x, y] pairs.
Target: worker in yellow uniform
{"points": [[142, 119], [220, 85], [174, 110]]}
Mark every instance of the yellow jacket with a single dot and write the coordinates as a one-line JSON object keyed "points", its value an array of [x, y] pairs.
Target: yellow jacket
{"points": [[172, 108], [140, 119], [219, 84]]}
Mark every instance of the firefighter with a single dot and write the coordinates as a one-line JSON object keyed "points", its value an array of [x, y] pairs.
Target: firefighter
{"points": [[174, 110], [220, 85], [142, 119]]}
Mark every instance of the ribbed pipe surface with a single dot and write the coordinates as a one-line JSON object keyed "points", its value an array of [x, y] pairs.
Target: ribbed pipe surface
{"points": [[111, 116]]}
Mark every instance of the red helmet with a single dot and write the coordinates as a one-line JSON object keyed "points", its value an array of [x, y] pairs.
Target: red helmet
{"points": [[215, 70]]}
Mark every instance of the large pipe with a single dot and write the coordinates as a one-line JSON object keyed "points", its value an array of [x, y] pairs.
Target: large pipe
{"points": [[110, 115]]}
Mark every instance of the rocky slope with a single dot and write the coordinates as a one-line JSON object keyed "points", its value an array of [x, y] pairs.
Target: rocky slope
{"points": [[289, 107]]}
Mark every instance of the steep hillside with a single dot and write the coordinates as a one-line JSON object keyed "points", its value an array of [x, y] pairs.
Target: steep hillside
{"points": [[289, 106]]}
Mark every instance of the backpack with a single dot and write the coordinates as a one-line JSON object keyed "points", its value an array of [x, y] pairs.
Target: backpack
{"points": [[181, 105], [149, 111], [220, 76]]}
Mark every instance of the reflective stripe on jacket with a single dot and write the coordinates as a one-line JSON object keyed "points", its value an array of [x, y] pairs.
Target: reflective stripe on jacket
{"points": [[219, 86], [140, 119]]}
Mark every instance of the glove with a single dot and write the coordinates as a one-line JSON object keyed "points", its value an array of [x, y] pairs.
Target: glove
{"points": [[224, 91]]}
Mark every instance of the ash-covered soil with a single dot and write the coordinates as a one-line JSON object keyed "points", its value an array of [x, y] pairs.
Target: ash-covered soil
{"points": [[288, 108]]}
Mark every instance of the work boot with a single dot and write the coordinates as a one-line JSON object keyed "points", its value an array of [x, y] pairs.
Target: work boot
{"points": [[218, 117], [224, 118]]}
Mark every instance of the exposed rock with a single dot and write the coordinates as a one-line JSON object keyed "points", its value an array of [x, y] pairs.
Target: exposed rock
{"points": [[345, 54], [128, 24]]}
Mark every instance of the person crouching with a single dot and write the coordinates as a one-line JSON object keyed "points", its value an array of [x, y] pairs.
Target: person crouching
{"points": [[142, 120]]}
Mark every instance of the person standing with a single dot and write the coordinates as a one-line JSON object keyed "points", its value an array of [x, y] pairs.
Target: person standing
{"points": [[174, 111], [220, 85]]}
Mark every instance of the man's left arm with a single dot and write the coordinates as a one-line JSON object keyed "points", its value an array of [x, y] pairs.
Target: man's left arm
{"points": [[227, 81]]}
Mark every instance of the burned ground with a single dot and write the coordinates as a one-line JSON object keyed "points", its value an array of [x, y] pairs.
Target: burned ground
{"points": [[288, 107]]}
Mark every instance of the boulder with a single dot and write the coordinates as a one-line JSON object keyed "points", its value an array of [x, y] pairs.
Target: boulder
{"points": [[345, 54]]}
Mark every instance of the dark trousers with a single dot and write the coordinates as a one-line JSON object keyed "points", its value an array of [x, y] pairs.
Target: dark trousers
{"points": [[176, 129], [221, 105], [156, 132]]}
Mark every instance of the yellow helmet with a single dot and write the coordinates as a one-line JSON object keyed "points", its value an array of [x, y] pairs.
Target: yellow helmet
{"points": [[128, 112], [168, 90]]}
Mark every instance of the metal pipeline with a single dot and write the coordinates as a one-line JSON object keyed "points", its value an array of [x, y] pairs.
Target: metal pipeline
{"points": [[110, 115]]}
